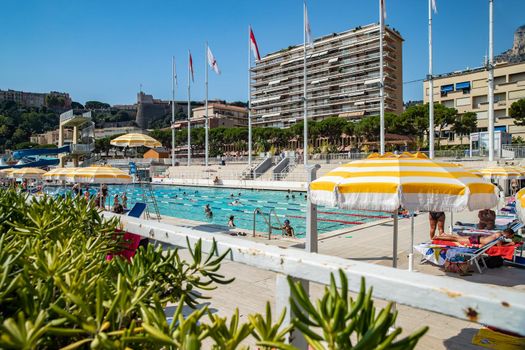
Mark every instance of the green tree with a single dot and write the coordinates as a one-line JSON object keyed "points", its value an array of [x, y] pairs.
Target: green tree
{"points": [[96, 105], [416, 120], [465, 124], [332, 128], [443, 117], [103, 145], [517, 111], [76, 105], [163, 136]]}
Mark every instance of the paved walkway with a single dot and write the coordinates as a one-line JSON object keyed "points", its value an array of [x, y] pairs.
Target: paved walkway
{"points": [[253, 287]]}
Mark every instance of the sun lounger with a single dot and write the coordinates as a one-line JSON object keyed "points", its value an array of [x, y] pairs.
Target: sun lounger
{"points": [[137, 210], [437, 252], [474, 256]]}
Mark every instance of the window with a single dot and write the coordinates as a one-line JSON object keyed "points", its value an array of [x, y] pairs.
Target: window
{"points": [[465, 101], [445, 89], [464, 87], [517, 94]]}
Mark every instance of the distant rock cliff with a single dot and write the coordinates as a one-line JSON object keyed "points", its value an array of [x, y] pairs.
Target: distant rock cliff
{"points": [[517, 52]]}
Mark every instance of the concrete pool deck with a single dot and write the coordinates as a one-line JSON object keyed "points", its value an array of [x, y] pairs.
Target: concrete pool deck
{"points": [[253, 287]]}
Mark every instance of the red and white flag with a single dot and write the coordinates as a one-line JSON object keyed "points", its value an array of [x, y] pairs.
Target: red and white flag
{"points": [[213, 62], [434, 7], [191, 67], [253, 44], [307, 31]]}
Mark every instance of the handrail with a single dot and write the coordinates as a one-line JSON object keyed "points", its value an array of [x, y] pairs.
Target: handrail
{"points": [[267, 221], [500, 307]]}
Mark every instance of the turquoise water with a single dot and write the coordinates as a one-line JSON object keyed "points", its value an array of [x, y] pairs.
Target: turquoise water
{"points": [[188, 203]]}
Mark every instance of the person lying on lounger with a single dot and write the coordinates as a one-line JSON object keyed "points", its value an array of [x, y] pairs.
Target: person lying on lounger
{"points": [[480, 239]]}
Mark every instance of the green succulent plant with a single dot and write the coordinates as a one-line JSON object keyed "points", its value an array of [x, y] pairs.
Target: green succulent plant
{"points": [[59, 291]]}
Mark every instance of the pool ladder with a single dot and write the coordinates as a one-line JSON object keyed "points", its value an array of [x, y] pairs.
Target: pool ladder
{"points": [[267, 220], [147, 192]]}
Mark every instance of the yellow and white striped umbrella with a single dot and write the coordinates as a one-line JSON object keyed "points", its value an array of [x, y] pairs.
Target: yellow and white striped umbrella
{"points": [[27, 173], [5, 173], [58, 174], [135, 140], [99, 175], [520, 204], [502, 172], [409, 180]]}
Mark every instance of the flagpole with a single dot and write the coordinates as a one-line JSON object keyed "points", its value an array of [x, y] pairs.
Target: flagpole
{"points": [[491, 81], [381, 80], [173, 111], [249, 100], [430, 86], [189, 110], [206, 108], [305, 127]]}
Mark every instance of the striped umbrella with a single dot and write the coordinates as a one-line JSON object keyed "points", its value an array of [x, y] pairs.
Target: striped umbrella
{"points": [[520, 204], [135, 140], [411, 181], [27, 173], [502, 172], [98, 175], [58, 174]]}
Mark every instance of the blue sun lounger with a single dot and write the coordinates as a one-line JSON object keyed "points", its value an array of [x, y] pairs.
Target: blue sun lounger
{"points": [[137, 210]]}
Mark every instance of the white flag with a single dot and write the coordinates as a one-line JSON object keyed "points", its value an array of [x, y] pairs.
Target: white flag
{"points": [[213, 62], [434, 7], [307, 31]]}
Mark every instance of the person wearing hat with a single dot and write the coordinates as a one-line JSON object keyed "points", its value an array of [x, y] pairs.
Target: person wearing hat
{"points": [[287, 229]]}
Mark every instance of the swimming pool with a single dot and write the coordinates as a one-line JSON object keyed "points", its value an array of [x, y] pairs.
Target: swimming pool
{"points": [[188, 203]]}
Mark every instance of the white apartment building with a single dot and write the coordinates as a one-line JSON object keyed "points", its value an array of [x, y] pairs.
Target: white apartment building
{"points": [[343, 78]]}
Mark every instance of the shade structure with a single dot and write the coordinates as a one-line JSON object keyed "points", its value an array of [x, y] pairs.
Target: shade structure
{"points": [[59, 174], [520, 204], [27, 173], [5, 173], [411, 181], [99, 175], [502, 172], [135, 140]]}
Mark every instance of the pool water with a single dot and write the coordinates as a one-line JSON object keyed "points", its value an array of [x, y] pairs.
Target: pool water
{"points": [[188, 203]]}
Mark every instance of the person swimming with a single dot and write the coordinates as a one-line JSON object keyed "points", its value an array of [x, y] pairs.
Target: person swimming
{"points": [[287, 197], [235, 202], [293, 196], [231, 224]]}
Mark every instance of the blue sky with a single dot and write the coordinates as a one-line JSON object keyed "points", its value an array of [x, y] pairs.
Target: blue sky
{"points": [[103, 49]]}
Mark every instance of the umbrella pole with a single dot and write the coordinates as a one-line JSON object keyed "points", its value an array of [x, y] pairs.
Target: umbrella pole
{"points": [[411, 254], [451, 227], [394, 248]]}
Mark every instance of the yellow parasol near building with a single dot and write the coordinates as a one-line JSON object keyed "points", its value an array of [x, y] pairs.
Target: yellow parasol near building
{"points": [[27, 173], [58, 174], [135, 140], [411, 181], [502, 172], [98, 175]]}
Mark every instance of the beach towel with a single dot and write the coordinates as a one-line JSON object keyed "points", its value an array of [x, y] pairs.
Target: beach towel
{"points": [[130, 245]]}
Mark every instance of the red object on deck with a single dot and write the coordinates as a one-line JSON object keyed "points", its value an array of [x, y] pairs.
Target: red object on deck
{"points": [[129, 247]]}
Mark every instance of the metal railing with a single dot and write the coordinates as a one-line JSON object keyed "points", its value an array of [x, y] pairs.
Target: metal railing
{"points": [[500, 307]]}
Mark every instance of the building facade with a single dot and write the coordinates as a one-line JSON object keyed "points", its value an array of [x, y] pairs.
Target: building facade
{"points": [[467, 91], [343, 78], [220, 115], [34, 99]]}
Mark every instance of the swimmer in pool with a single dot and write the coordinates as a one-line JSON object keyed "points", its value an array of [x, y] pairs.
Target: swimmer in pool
{"points": [[235, 202], [293, 196], [287, 197], [239, 194], [231, 224]]}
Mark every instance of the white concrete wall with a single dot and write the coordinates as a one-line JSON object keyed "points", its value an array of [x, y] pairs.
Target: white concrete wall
{"points": [[273, 185]]}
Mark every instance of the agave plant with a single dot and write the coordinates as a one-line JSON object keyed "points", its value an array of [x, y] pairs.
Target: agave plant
{"points": [[58, 290]]}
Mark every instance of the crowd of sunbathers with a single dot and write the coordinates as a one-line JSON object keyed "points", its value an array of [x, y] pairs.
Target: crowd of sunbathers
{"points": [[487, 221]]}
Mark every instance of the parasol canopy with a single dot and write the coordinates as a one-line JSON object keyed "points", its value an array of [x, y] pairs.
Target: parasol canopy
{"points": [[135, 140]]}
